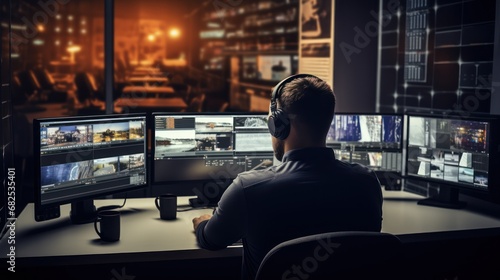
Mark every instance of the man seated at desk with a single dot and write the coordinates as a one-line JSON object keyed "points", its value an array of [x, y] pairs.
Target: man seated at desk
{"points": [[310, 192]]}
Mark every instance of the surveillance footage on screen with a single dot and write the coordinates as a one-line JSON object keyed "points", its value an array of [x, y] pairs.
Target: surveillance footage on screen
{"points": [[61, 173], [354, 128], [105, 166], [253, 142], [214, 142], [251, 122], [173, 142], [213, 124], [110, 132], [448, 150], [65, 136]]}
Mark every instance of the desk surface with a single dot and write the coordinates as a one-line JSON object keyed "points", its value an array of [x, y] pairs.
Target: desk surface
{"points": [[142, 231], [146, 237]]}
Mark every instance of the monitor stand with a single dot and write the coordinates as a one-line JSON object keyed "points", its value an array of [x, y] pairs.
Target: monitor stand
{"points": [[446, 198], [83, 212]]}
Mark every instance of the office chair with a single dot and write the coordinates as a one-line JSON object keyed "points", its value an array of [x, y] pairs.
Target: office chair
{"points": [[48, 85], [334, 255], [27, 92], [196, 104], [30, 84], [182, 90], [223, 107]]}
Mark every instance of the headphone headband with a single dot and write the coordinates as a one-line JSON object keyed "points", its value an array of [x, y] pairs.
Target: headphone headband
{"points": [[277, 89]]}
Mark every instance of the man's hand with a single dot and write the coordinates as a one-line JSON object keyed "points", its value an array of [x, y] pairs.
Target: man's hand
{"points": [[198, 220]]}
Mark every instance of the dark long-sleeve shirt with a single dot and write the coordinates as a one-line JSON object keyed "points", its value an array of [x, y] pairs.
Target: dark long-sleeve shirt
{"points": [[310, 192]]}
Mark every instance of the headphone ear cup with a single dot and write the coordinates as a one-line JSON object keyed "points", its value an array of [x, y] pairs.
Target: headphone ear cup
{"points": [[279, 124]]}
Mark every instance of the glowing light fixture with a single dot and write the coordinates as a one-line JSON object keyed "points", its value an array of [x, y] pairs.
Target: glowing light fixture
{"points": [[72, 51], [174, 33], [38, 42]]}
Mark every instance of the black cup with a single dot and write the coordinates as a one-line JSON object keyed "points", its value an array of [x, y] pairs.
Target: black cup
{"points": [[167, 204], [110, 225]]}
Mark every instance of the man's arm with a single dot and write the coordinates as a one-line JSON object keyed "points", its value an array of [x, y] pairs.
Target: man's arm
{"points": [[228, 223], [197, 221]]}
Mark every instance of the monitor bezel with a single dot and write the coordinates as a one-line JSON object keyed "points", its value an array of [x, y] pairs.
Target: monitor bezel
{"points": [[37, 163], [153, 180], [493, 160]]}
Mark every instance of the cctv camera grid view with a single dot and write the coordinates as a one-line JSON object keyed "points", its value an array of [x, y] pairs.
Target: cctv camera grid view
{"points": [[206, 143], [209, 135], [85, 152], [450, 150]]}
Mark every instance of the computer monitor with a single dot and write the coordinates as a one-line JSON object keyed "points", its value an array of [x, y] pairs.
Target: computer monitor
{"points": [[456, 152], [267, 69], [81, 158], [374, 140], [209, 147]]}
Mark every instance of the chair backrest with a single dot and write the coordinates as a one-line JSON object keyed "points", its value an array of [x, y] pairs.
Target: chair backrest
{"points": [[334, 255], [45, 78], [196, 104], [29, 82]]}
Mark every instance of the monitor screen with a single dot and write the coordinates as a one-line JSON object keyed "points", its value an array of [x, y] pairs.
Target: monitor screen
{"points": [[365, 131], [274, 67], [373, 140], [201, 147], [447, 150], [249, 69], [84, 158]]}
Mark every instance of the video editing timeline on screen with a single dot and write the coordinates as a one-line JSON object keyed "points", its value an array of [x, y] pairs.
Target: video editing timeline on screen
{"points": [[371, 140], [79, 157], [197, 147], [449, 150]]}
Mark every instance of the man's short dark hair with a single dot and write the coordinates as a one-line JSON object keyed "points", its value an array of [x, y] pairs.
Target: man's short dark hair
{"points": [[311, 101]]}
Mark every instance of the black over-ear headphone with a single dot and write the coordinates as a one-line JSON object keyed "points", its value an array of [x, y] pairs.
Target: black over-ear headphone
{"points": [[278, 122]]}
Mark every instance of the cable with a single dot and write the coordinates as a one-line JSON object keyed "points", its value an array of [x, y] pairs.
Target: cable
{"points": [[112, 207]]}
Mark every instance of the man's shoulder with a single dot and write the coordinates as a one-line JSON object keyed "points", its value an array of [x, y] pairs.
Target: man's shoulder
{"points": [[354, 169], [250, 178]]}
